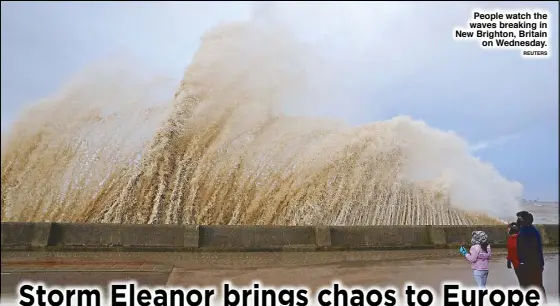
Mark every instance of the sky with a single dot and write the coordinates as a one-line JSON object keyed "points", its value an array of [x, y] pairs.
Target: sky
{"points": [[398, 58]]}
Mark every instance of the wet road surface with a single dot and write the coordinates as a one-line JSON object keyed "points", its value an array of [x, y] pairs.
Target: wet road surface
{"points": [[311, 270]]}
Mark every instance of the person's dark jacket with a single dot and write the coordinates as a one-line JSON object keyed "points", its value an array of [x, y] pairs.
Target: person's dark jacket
{"points": [[529, 247]]}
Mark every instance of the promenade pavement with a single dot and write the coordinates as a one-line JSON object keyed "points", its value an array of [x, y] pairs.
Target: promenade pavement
{"points": [[312, 270]]}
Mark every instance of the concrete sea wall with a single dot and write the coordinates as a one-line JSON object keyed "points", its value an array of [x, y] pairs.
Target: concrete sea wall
{"points": [[126, 237]]}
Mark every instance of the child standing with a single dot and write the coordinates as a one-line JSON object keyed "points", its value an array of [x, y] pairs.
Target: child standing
{"points": [[479, 256], [512, 259]]}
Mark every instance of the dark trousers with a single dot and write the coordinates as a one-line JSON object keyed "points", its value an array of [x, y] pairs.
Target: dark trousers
{"points": [[531, 277], [519, 276]]}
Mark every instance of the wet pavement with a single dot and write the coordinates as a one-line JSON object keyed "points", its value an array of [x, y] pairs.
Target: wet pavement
{"points": [[311, 270]]}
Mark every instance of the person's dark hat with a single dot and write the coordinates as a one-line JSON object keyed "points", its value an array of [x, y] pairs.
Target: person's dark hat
{"points": [[525, 218]]}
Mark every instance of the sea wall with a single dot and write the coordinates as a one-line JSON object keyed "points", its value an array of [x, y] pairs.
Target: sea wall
{"points": [[117, 237]]}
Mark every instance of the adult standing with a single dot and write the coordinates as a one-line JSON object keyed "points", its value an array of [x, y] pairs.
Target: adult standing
{"points": [[530, 253]]}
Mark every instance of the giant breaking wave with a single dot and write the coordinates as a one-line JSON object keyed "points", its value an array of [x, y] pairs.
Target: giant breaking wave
{"points": [[223, 152]]}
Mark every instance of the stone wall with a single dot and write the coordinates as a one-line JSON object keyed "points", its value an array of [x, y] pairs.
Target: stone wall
{"points": [[88, 236]]}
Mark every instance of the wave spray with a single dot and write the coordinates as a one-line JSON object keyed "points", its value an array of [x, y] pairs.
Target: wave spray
{"points": [[224, 152]]}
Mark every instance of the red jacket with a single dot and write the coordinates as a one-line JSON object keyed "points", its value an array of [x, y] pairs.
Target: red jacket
{"points": [[512, 250]]}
